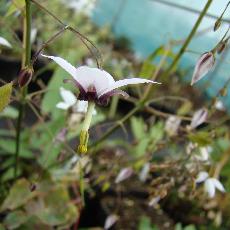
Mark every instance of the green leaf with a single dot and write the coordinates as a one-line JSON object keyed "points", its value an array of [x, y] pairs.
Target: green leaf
{"points": [[15, 219], [201, 138], [138, 128], [145, 224], [19, 195], [14, 6], [5, 93]]}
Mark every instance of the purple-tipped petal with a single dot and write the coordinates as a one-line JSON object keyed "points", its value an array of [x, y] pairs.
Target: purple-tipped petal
{"points": [[203, 66]]}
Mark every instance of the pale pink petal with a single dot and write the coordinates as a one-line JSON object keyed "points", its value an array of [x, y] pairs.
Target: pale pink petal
{"points": [[209, 187], [124, 82], [64, 64], [218, 184], [98, 78], [203, 66], [202, 176], [199, 117], [110, 221], [124, 174]]}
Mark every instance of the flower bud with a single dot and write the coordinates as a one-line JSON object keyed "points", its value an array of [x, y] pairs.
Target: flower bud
{"points": [[25, 76], [203, 66], [217, 24], [199, 118]]}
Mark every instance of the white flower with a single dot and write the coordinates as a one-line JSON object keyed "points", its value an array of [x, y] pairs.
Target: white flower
{"points": [[124, 174], [219, 105], [110, 221], [95, 84], [69, 100], [4, 42], [144, 172], [210, 183], [199, 118], [204, 153], [203, 66], [172, 125]]}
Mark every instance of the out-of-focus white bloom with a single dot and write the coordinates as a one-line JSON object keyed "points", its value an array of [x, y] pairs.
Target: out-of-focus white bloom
{"points": [[219, 105], [210, 183], [203, 66], [95, 84], [199, 117], [154, 201], [68, 97], [124, 174], [144, 172], [110, 221], [4, 42], [85, 6], [69, 100], [204, 153], [172, 125], [33, 35]]}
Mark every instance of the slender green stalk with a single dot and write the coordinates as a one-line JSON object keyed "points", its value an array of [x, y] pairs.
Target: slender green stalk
{"points": [[113, 107], [188, 40], [141, 104], [25, 62]]}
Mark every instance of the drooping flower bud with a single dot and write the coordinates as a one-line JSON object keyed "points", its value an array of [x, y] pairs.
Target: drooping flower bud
{"points": [[217, 24], [124, 174], [25, 76], [203, 66]]}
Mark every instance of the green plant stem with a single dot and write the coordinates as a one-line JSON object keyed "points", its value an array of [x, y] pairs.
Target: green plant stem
{"points": [[113, 107], [188, 40], [23, 92], [141, 104]]}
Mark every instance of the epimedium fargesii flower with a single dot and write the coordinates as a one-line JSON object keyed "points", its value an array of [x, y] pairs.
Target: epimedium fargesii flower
{"points": [[95, 84]]}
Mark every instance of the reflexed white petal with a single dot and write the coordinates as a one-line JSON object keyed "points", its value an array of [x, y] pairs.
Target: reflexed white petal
{"points": [[202, 176], [199, 117], [62, 105], [218, 184], [124, 82], [209, 187], [64, 64], [68, 97], [124, 174], [203, 66], [98, 78], [110, 221], [154, 201], [4, 42]]}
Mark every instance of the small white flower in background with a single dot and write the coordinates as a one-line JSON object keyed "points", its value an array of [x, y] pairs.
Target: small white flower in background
{"points": [[4, 42], [61, 135], [219, 105], [110, 221], [199, 117], [210, 183], [204, 153], [69, 100], [144, 172], [154, 201], [172, 125], [124, 174], [95, 84], [203, 66], [68, 97]]}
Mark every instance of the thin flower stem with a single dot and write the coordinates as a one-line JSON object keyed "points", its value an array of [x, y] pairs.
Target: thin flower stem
{"points": [[25, 62], [188, 40], [113, 107], [82, 37]]}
